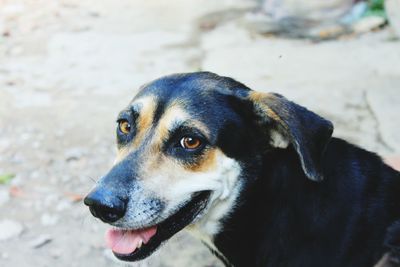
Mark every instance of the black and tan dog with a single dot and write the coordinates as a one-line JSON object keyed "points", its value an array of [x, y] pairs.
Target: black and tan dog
{"points": [[258, 178]]}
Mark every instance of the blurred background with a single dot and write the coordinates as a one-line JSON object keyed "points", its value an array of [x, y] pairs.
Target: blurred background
{"points": [[67, 67]]}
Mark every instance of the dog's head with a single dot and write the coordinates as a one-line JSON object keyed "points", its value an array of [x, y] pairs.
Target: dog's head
{"points": [[186, 145]]}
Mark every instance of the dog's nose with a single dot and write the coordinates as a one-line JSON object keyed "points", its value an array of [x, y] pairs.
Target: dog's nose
{"points": [[106, 206]]}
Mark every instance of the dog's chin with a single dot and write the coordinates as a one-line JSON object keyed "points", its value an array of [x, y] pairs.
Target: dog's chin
{"points": [[153, 236]]}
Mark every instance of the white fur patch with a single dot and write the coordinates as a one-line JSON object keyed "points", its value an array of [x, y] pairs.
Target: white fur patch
{"points": [[222, 200], [278, 140], [177, 189]]}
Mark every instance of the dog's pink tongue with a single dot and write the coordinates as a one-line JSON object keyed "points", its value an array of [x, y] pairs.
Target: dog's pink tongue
{"points": [[126, 241]]}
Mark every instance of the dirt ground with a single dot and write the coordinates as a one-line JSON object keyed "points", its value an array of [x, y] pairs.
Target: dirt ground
{"points": [[68, 67]]}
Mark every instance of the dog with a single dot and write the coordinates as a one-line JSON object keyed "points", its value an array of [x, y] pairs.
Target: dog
{"points": [[259, 179]]}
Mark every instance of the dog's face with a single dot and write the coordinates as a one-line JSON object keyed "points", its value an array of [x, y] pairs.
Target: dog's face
{"points": [[187, 144]]}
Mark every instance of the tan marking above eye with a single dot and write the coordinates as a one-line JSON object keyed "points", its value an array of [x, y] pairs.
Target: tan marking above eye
{"points": [[190, 142], [145, 108], [124, 126]]}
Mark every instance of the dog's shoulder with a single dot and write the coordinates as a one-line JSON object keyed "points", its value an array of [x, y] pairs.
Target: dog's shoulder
{"points": [[363, 176], [373, 187], [347, 160]]}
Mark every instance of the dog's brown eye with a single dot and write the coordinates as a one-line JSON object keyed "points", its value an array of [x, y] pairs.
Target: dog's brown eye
{"points": [[190, 142], [124, 126]]}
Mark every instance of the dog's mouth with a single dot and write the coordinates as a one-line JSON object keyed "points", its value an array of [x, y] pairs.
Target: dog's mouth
{"points": [[133, 245]]}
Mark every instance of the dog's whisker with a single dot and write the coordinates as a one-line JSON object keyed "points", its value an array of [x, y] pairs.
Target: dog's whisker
{"points": [[91, 178], [86, 218]]}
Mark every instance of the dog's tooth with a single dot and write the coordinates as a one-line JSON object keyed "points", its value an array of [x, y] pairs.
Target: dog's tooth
{"points": [[140, 243]]}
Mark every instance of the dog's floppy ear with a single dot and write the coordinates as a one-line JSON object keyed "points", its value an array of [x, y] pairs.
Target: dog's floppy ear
{"points": [[287, 123]]}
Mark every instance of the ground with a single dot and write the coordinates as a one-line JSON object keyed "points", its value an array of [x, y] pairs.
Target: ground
{"points": [[68, 67]]}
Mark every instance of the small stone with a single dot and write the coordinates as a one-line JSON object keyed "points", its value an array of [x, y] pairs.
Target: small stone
{"points": [[55, 253], [40, 241], [48, 219], [10, 229], [74, 153], [368, 24]]}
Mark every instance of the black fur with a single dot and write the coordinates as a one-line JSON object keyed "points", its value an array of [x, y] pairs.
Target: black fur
{"points": [[284, 219]]}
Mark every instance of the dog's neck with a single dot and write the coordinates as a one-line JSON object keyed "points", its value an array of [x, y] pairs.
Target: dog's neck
{"points": [[211, 223], [222, 202], [264, 199]]}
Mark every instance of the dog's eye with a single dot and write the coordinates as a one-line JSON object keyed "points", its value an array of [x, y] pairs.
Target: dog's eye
{"points": [[190, 142], [124, 126]]}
